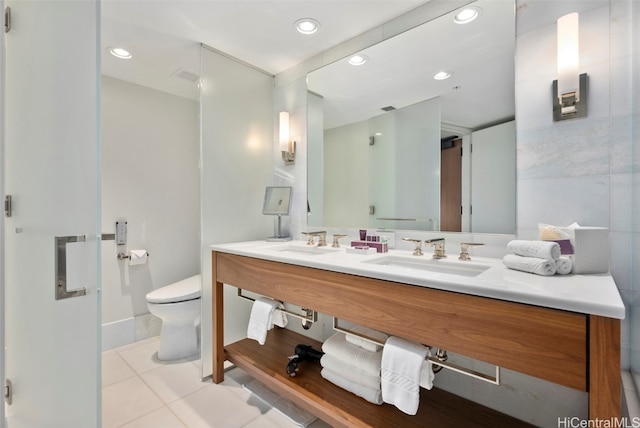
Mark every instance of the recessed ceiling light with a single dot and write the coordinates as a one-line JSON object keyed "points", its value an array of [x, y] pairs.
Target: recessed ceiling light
{"points": [[307, 25], [358, 59], [466, 15], [119, 52], [442, 75]]}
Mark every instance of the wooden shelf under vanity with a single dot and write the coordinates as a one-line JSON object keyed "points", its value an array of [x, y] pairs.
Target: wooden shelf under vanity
{"points": [[339, 407]]}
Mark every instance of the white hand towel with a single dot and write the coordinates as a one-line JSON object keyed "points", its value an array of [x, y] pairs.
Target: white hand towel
{"points": [[338, 346], [263, 318], [402, 362], [350, 372], [539, 249], [371, 395], [544, 267], [369, 346], [426, 373], [564, 266]]}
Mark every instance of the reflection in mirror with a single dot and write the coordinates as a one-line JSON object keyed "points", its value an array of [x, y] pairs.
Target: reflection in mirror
{"points": [[385, 138]]}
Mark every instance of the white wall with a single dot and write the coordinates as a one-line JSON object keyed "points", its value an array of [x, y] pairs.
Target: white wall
{"points": [[150, 177], [237, 145]]}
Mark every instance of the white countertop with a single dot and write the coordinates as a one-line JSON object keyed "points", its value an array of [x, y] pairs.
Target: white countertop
{"points": [[588, 294]]}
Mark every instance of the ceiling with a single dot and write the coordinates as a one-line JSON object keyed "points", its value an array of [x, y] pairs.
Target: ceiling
{"points": [[480, 54], [164, 36]]}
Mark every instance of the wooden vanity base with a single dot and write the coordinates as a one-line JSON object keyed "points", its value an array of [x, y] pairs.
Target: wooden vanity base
{"points": [[579, 351]]}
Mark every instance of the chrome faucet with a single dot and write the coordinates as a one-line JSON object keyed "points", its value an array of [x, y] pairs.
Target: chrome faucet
{"points": [[418, 243], [438, 244], [309, 236], [464, 250], [336, 237], [322, 238]]}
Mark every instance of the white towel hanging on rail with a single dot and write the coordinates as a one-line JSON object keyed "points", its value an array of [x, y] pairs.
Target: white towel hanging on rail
{"points": [[264, 315]]}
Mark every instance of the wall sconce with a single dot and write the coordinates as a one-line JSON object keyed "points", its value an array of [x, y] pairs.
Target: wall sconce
{"points": [[570, 90], [287, 146]]}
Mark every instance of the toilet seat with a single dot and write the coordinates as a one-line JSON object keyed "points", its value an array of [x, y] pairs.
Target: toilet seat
{"points": [[181, 291]]}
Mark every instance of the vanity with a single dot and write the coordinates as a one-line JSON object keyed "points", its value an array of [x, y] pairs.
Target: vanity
{"points": [[563, 329]]}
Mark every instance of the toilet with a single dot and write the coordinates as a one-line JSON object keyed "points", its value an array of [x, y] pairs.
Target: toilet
{"points": [[178, 306]]}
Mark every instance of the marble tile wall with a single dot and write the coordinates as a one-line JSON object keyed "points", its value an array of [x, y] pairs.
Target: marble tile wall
{"points": [[582, 170]]}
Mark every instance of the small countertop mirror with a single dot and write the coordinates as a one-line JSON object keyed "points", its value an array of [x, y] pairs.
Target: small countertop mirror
{"points": [[277, 201]]}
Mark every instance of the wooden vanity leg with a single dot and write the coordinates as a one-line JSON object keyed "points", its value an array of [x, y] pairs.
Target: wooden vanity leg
{"points": [[218, 323], [604, 368]]}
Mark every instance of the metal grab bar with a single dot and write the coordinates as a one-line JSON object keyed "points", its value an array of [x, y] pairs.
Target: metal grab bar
{"points": [[404, 219], [310, 317], [441, 363]]}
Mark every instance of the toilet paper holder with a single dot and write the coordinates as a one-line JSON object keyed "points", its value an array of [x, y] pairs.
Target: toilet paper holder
{"points": [[123, 256]]}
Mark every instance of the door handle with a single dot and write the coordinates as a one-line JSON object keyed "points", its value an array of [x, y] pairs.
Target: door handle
{"points": [[61, 291]]}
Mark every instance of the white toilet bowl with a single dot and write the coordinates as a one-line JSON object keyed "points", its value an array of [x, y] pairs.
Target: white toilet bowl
{"points": [[178, 306]]}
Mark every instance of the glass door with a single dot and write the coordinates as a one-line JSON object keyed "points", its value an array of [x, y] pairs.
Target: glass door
{"points": [[51, 236]]}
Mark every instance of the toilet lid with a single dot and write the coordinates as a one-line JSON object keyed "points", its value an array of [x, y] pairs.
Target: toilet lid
{"points": [[187, 289]]}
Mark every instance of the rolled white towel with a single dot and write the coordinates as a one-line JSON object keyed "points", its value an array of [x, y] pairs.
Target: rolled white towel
{"points": [[370, 394], [338, 346], [350, 372], [264, 315], [545, 267], [539, 249], [402, 362], [369, 346], [564, 266]]}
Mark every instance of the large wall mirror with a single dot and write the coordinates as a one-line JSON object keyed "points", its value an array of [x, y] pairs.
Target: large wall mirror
{"points": [[390, 146]]}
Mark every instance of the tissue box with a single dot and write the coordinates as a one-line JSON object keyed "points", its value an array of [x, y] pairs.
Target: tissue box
{"points": [[590, 249]]}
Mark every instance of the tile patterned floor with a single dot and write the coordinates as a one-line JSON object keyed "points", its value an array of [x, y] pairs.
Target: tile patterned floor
{"points": [[139, 391]]}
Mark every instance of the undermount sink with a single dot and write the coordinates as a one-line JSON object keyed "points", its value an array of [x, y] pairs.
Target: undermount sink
{"points": [[418, 263], [308, 250]]}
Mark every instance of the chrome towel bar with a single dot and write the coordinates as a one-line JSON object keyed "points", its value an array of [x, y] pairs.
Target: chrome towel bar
{"points": [[441, 363], [309, 317]]}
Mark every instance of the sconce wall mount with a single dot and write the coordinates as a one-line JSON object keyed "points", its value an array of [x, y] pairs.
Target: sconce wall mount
{"points": [[289, 155], [570, 107]]}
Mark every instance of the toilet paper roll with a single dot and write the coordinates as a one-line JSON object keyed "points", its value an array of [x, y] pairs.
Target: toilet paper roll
{"points": [[138, 257]]}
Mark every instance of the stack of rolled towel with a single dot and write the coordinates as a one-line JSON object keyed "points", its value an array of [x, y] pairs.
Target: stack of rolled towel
{"points": [[539, 257], [374, 373], [354, 364]]}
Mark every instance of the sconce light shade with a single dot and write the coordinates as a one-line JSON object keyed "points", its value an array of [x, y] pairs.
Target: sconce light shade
{"points": [[284, 130], [287, 147], [570, 90], [568, 55]]}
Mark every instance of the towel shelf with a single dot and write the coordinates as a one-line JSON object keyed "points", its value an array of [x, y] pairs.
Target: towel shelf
{"points": [[309, 316], [495, 380]]}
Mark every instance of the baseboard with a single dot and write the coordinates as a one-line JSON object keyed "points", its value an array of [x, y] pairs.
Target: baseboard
{"points": [[630, 400], [129, 330]]}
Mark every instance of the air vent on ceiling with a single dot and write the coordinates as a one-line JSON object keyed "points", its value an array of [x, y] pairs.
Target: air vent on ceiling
{"points": [[388, 108], [184, 74]]}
